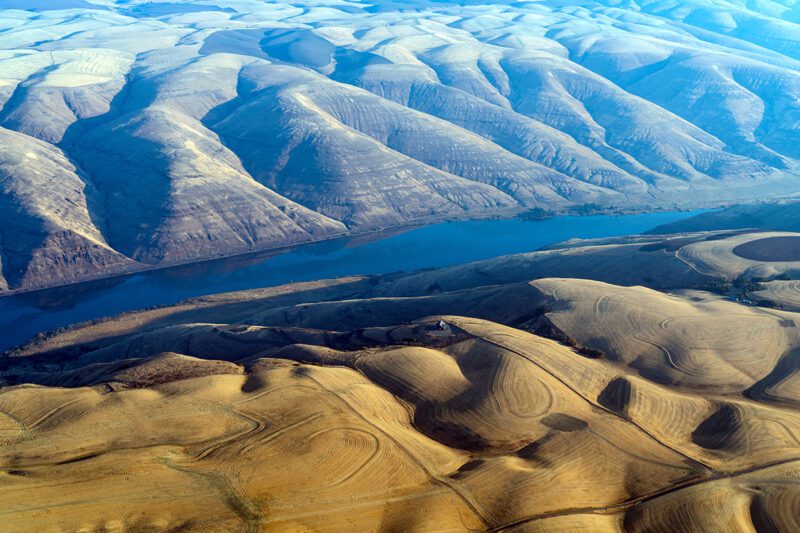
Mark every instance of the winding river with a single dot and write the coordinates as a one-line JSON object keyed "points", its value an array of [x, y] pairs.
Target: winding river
{"points": [[24, 315]]}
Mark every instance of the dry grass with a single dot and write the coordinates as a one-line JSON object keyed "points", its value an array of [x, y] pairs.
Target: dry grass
{"points": [[309, 408], [718, 258]]}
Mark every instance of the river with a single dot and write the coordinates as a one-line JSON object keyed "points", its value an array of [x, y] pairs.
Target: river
{"points": [[24, 315]]}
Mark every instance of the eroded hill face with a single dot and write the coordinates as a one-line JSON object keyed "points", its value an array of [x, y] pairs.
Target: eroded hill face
{"points": [[180, 130], [548, 405]]}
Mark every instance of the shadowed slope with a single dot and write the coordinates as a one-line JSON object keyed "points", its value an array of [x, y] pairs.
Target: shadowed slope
{"points": [[323, 406]]}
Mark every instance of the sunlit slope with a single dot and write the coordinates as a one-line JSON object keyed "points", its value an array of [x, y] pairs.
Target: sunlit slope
{"points": [[212, 206], [297, 445], [276, 437], [504, 427], [729, 257], [694, 340], [307, 414], [56, 211], [218, 128]]}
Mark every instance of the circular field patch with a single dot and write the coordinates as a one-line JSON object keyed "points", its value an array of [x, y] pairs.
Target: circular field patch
{"points": [[770, 249]]}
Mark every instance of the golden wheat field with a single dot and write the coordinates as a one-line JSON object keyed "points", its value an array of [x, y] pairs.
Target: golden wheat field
{"points": [[549, 405]]}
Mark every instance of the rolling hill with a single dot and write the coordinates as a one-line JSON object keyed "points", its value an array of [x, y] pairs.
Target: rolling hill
{"points": [[524, 403]]}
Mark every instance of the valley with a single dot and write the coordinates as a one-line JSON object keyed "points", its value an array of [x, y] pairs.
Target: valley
{"points": [[408, 249], [400, 265], [615, 384]]}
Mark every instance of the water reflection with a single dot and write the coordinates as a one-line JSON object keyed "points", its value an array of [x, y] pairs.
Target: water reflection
{"points": [[67, 297]]}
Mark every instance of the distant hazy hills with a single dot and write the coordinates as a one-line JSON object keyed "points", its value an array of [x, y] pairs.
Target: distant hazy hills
{"points": [[136, 133]]}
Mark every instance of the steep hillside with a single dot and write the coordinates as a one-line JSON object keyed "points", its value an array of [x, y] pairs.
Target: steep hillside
{"points": [[207, 129], [546, 405], [55, 217]]}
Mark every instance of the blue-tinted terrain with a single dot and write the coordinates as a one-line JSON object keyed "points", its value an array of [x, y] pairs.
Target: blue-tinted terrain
{"points": [[24, 315], [138, 134]]}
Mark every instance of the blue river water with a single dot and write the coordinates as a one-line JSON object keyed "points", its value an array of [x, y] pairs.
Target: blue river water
{"points": [[24, 315]]}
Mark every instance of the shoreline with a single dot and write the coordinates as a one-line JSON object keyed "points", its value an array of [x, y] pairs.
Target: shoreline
{"points": [[276, 249], [506, 214], [46, 330]]}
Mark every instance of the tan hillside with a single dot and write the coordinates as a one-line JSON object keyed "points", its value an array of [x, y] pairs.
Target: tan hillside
{"points": [[548, 405]]}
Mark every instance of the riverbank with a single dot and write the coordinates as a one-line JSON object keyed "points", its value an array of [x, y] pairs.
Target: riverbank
{"points": [[400, 249], [525, 214]]}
